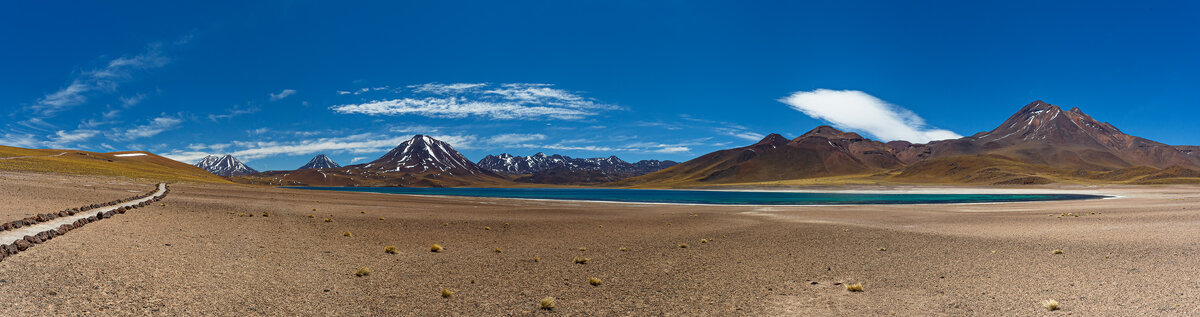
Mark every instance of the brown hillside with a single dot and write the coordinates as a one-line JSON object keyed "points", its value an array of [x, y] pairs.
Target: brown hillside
{"points": [[147, 166]]}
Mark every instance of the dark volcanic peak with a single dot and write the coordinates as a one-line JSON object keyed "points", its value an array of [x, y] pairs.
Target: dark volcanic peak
{"points": [[319, 162], [423, 154], [773, 138], [831, 133], [224, 166], [540, 162]]}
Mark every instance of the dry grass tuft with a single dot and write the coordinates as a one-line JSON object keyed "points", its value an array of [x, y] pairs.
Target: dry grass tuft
{"points": [[312, 216], [1058, 251], [582, 249], [623, 249], [362, 212], [362, 272], [882, 249], [683, 245], [445, 224], [546, 303], [487, 228], [497, 250], [328, 220], [537, 259], [391, 249], [595, 281], [314, 209], [348, 234], [436, 248], [703, 240], [856, 287], [447, 293], [582, 260], [381, 218], [1050, 304], [266, 214]]}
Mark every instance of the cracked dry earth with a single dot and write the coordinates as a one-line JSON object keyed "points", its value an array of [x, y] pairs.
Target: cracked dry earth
{"points": [[210, 251]]}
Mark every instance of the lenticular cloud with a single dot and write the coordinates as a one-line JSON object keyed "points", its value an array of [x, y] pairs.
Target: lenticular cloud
{"points": [[858, 111]]}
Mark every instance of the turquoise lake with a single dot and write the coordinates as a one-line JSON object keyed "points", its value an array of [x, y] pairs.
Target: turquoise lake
{"points": [[709, 197]]}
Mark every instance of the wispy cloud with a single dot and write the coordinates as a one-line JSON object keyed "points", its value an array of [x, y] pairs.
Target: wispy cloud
{"points": [[362, 90], [106, 78], [233, 112], [63, 138], [155, 126], [858, 111], [510, 138], [282, 94], [520, 101]]}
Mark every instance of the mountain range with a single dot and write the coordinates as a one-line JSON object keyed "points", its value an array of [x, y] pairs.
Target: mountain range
{"points": [[559, 169], [421, 161], [1041, 143]]}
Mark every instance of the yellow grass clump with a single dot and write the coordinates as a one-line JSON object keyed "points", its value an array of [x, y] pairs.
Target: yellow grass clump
{"points": [[1050, 304], [348, 234], [436, 248], [582, 260], [882, 249], [595, 281], [312, 216], [328, 220], [447, 293], [623, 249], [381, 218], [546, 303], [683, 245], [487, 228], [856, 287], [703, 240], [266, 214], [582, 249], [1058, 251], [362, 272], [391, 249], [537, 259], [497, 250]]}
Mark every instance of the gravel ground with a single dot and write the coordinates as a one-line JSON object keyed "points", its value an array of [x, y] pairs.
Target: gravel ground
{"points": [[203, 255]]}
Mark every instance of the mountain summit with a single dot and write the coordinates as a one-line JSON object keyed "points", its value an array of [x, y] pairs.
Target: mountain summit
{"points": [[319, 162], [423, 154], [224, 166]]}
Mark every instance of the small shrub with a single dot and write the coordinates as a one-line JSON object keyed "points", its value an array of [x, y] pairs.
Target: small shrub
{"points": [[314, 209], [445, 224], [487, 228], [1058, 251], [497, 250], [447, 293], [582, 249], [348, 234], [703, 240], [595, 281], [882, 249], [582, 260], [436, 248], [381, 218], [683, 245], [391, 249], [362, 212], [328, 220], [266, 214], [362, 272], [537, 259], [312, 216], [546, 303], [1050, 304], [856, 287], [623, 249]]}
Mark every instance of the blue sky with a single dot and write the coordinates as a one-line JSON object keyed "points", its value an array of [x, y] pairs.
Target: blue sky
{"points": [[277, 82]]}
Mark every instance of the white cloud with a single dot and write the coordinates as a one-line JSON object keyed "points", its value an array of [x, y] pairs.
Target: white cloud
{"points": [[152, 128], [233, 112], [132, 100], [858, 111], [106, 78], [506, 102], [283, 94], [64, 138], [443, 89]]}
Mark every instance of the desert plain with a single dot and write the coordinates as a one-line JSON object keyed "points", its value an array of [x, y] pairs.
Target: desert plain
{"points": [[242, 250]]}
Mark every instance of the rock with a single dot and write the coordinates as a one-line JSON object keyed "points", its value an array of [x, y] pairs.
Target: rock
{"points": [[32, 239], [92, 218], [11, 248], [23, 245]]}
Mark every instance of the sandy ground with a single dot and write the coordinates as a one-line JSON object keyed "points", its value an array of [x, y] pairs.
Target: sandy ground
{"points": [[200, 256]]}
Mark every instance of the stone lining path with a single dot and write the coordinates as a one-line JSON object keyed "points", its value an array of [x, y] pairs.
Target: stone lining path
{"points": [[15, 239]]}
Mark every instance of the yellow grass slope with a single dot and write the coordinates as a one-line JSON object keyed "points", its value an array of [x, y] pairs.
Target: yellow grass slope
{"points": [[147, 166]]}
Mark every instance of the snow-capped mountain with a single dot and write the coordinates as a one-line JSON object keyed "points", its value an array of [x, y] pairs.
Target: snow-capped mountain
{"points": [[540, 162], [319, 162], [224, 166], [423, 154]]}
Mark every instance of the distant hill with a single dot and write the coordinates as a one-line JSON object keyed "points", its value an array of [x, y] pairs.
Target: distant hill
{"points": [[1039, 144], [224, 166], [136, 165], [418, 162], [559, 169]]}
